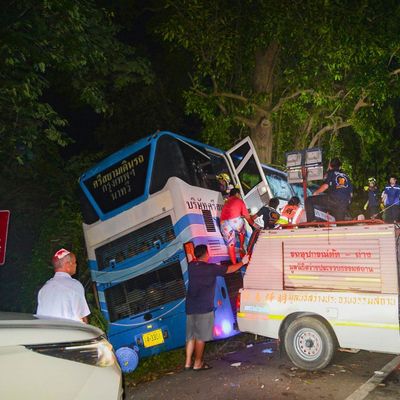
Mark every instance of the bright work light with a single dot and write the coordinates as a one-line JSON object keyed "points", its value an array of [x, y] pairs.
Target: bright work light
{"points": [[313, 156]]}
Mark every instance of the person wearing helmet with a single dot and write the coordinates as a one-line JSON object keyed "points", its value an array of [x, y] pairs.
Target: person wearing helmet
{"points": [[372, 204], [224, 182]]}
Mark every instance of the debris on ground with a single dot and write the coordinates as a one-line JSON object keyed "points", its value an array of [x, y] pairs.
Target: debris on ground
{"points": [[236, 364], [269, 351]]}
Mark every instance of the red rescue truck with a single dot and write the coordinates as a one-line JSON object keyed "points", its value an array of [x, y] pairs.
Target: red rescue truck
{"points": [[320, 288]]}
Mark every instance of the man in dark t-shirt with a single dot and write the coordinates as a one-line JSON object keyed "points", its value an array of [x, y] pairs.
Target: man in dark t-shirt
{"points": [[338, 189], [200, 304], [267, 216]]}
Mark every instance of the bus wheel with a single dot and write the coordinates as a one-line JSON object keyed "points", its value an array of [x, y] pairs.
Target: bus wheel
{"points": [[309, 343]]}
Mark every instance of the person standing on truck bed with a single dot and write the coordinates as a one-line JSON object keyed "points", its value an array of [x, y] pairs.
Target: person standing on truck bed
{"points": [[232, 223], [372, 204], [337, 198], [391, 201], [200, 304]]}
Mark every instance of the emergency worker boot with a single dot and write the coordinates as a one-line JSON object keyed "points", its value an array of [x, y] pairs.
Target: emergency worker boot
{"points": [[232, 253], [242, 238]]}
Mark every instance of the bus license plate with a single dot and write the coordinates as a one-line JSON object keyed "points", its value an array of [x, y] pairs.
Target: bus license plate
{"points": [[153, 338]]}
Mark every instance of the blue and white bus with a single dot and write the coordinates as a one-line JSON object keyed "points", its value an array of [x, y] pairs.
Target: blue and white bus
{"points": [[141, 206]]}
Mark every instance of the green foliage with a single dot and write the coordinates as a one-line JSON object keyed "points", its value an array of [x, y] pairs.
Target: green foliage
{"points": [[45, 216], [60, 227], [96, 317], [67, 46], [334, 74]]}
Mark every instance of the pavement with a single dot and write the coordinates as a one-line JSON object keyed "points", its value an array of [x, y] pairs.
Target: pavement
{"points": [[259, 371]]}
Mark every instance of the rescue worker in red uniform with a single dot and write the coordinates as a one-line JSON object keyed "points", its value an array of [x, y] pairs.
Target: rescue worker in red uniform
{"points": [[233, 214]]}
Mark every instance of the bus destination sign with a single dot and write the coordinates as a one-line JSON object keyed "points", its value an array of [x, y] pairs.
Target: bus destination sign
{"points": [[121, 183]]}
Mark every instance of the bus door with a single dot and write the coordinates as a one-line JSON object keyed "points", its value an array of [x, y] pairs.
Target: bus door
{"points": [[248, 172]]}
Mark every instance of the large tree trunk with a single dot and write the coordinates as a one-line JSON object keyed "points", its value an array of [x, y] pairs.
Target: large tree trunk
{"points": [[262, 133], [262, 138]]}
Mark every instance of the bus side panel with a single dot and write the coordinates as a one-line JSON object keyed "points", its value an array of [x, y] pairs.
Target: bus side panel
{"points": [[172, 327], [197, 211]]}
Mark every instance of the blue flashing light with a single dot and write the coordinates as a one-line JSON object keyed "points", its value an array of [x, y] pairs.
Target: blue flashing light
{"points": [[226, 327]]}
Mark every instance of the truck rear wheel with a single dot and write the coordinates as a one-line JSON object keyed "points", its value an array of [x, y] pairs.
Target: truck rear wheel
{"points": [[309, 343]]}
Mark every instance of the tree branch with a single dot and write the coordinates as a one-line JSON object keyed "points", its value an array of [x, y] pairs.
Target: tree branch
{"points": [[327, 128], [360, 103], [283, 100], [248, 122]]}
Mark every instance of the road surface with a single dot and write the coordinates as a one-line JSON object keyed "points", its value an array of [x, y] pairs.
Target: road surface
{"points": [[261, 372]]}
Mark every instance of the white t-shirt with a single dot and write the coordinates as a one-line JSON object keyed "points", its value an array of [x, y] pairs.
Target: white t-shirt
{"points": [[62, 297]]}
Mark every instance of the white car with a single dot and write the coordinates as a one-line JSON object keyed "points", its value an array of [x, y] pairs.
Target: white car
{"points": [[55, 359]]}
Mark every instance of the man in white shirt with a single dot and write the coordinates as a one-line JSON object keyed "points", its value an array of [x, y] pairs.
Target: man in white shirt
{"points": [[62, 296]]}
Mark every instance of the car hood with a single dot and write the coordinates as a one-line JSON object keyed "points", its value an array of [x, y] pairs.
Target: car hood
{"points": [[24, 329]]}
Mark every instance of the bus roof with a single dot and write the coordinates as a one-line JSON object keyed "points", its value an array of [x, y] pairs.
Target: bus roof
{"points": [[139, 144]]}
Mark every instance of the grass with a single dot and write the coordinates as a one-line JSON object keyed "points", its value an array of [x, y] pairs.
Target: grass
{"points": [[154, 367]]}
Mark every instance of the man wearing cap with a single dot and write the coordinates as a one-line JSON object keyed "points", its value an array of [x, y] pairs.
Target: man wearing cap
{"points": [[62, 296]]}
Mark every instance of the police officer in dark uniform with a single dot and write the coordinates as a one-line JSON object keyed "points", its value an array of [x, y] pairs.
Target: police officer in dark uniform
{"points": [[337, 198], [372, 204], [391, 201]]}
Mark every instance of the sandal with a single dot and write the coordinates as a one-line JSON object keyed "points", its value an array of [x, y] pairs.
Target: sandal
{"points": [[187, 368], [204, 367]]}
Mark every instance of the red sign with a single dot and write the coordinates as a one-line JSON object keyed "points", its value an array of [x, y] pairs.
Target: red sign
{"points": [[4, 218]]}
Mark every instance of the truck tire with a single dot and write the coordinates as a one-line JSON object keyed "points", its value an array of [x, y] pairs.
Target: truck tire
{"points": [[309, 343]]}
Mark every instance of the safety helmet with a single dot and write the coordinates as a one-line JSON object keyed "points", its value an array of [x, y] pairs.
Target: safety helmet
{"points": [[224, 176], [372, 180]]}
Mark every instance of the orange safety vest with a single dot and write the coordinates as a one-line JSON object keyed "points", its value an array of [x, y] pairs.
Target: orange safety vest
{"points": [[292, 214]]}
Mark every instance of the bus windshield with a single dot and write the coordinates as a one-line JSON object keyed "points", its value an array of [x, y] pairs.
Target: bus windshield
{"points": [[194, 164]]}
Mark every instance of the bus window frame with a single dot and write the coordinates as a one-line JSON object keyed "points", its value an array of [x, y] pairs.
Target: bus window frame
{"points": [[109, 161], [263, 184]]}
